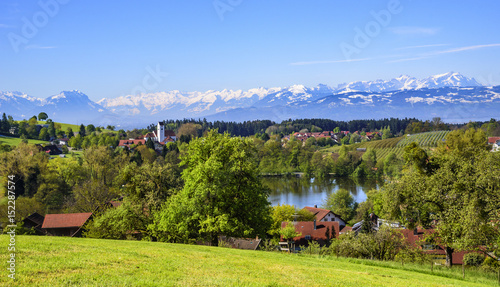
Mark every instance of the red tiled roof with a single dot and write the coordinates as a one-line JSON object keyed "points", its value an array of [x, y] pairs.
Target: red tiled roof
{"points": [[307, 229], [492, 140], [319, 212], [131, 142], [65, 220], [149, 135]]}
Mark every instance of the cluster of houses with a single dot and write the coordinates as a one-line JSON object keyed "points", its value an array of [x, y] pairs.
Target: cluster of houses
{"points": [[331, 135], [328, 225], [160, 137]]}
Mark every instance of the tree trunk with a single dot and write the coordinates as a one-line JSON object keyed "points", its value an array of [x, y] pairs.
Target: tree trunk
{"points": [[449, 256]]}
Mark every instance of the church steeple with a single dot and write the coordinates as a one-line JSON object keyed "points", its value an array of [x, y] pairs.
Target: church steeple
{"points": [[160, 132]]}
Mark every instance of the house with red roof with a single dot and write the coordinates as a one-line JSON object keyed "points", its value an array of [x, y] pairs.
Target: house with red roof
{"points": [[495, 141], [325, 215], [319, 231], [70, 224], [130, 142], [416, 237]]}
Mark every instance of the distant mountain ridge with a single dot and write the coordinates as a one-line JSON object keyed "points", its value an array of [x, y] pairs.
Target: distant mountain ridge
{"points": [[399, 97]]}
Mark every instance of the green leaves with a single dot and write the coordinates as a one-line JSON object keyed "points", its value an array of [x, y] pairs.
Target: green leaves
{"points": [[457, 186], [222, 193]]}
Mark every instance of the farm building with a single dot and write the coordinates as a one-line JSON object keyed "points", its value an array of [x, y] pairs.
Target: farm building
{"points": [[319, 231], [323, 215], [35, 221], [70, 224]]}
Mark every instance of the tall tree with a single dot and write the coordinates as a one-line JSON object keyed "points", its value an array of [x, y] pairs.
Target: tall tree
{"points": [[222, 194], [5, 125], [82, 130], [70, 133]]}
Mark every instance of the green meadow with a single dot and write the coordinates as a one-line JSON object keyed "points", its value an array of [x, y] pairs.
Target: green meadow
{"points": [[16, 141], [59, 261]]}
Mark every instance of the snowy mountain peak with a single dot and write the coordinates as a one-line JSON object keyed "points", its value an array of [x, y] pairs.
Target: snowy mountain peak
{"points": [[404, 82]]}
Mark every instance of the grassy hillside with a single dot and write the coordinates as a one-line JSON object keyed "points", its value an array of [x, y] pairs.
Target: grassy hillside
{"points": [[17, 141], [58, 261], [75, 128]]}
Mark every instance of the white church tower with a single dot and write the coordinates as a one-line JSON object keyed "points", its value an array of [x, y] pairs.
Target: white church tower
{"points": [[160, 132]]}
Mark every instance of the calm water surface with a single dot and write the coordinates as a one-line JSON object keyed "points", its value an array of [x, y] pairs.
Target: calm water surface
{"points": [[308, 192]]}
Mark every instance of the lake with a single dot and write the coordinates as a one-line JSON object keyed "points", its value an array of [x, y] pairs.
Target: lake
{"points": [[309, 192]]}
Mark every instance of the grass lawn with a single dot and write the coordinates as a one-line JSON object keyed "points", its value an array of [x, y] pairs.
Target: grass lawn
{"points": [[17, 141], [58, 261]]}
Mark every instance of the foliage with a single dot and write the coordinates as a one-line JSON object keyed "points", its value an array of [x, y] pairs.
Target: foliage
{"points": [[89, 195], [381, 245], [289, 232], [458, 191], [122, 222], [286, 212], [222, 194], [341, 202], [473, 259]]}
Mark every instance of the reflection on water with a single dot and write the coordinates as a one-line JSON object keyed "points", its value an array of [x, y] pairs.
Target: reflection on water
{"points": [[309, 192]]}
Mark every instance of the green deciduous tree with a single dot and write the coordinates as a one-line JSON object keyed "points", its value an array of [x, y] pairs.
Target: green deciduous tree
{"points": [[342, 203], [222, 194], [289, 232], [42, 116], [460, 192]]}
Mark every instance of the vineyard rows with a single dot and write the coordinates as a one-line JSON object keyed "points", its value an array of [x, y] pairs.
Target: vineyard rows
{"points": [[429, 139], [396, 145]]}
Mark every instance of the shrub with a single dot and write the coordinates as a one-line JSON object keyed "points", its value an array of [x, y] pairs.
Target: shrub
{"points": [[473, 259], [490, 264]]}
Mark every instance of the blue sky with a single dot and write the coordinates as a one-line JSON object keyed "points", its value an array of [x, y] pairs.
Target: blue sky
{"points": [[114, 48]]}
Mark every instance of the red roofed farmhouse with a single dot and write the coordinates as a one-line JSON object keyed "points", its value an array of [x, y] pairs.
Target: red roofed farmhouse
{"points": [[324, 215], [65, 224]]}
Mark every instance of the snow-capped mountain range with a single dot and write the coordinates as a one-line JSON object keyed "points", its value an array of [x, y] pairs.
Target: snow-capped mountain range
{"points": [[451, 96]]}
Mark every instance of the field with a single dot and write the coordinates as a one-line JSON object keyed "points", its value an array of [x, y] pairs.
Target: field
{"points": [[16, 141], [396, 145], [59, 261]]}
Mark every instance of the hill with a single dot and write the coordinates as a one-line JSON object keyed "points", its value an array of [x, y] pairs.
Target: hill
{"points": [[62, 261], [396, 145], [16, 141]]}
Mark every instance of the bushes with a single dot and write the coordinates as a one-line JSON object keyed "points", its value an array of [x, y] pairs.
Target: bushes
{"points": [[382, 245], [490, 264], [473, 259]]}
